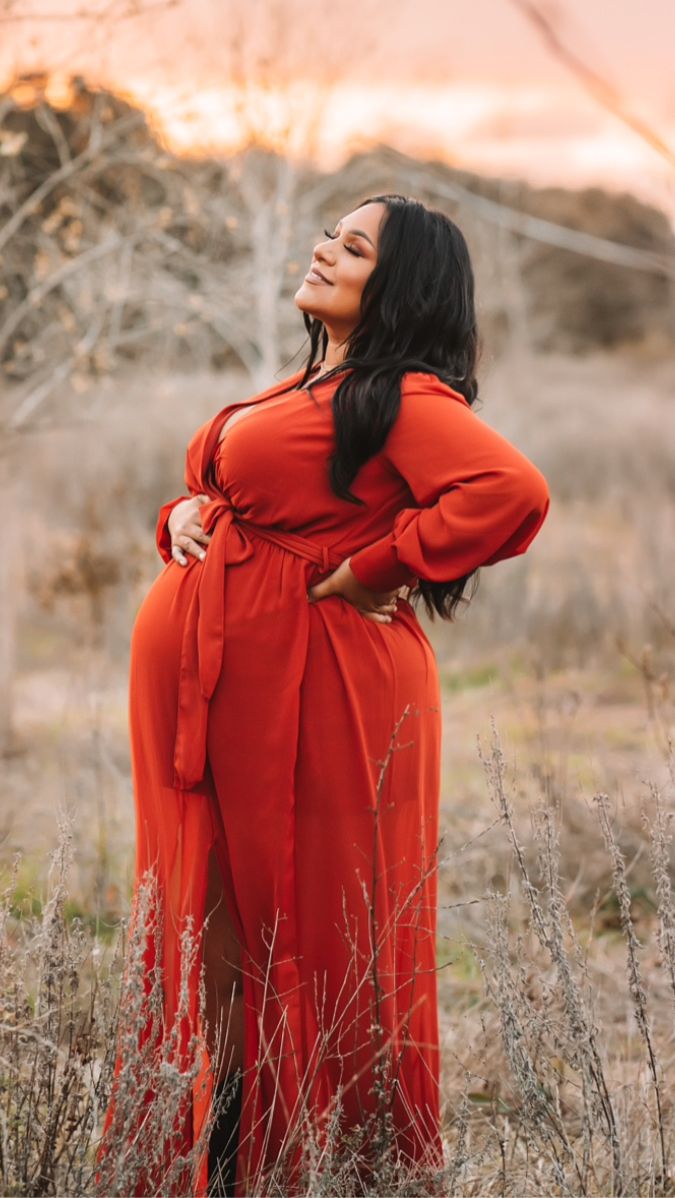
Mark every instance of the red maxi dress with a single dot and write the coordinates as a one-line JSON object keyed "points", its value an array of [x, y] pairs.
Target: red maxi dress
{"points": [[301, 742]]}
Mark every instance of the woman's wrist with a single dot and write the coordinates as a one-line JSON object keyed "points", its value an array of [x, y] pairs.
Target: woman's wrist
{"points": [[163, 532]]}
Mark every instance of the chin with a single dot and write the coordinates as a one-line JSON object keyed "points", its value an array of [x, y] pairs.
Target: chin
{"points": [[304, 302]]}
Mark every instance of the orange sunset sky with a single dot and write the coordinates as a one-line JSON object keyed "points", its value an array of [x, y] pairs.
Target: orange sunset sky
{"points": [[470, 81]]}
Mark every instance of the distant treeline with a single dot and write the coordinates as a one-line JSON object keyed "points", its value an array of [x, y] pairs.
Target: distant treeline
{"points": [[113, 249]]}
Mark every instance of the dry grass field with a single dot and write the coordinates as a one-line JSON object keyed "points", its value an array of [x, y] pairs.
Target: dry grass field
{"points": [[557, 1002]]}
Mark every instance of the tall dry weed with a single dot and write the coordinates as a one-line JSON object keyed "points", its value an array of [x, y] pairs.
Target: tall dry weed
{"points": [[58, 998], [584, 1132], [581, 1104]]}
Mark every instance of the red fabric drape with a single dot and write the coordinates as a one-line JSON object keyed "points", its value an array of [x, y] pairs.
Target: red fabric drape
{"points": [[264, 726]]}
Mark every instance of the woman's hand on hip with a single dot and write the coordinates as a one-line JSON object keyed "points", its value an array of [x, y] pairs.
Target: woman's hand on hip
{"points": [[185, 530], [378, 606]]}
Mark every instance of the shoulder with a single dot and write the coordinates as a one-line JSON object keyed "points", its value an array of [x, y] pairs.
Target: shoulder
{"points": [[425, 395], [432, 417], [416, 384]]}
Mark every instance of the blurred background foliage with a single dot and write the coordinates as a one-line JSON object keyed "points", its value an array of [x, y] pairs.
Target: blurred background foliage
{"points": [[142, 291]]}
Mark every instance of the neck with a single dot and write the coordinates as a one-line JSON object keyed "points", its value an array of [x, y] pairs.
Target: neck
{"points": [[336, 351]]}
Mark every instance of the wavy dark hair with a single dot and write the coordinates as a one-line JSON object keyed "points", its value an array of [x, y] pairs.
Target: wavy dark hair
{"points": [[417, 313]]}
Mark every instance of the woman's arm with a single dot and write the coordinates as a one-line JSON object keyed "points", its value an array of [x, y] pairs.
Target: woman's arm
{"points": [[480, 499], [179, 529], [162, 534]]}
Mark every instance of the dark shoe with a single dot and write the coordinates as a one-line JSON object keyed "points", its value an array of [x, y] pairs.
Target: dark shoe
{"points": [[224, 1137]]}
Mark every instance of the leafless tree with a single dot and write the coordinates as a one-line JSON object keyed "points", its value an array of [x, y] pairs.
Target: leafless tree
{"points": [[112, 248]]}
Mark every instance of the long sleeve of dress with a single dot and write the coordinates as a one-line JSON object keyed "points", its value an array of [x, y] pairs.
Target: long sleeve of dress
{"points": [[479, 499], [162, 535]]}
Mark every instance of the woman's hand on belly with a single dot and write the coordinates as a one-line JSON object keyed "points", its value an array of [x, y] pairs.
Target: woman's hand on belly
{"points": [[377, 606], [185, 530]]}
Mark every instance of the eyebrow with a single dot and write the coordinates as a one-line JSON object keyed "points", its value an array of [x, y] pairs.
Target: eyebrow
{"points": [[356, 233]]}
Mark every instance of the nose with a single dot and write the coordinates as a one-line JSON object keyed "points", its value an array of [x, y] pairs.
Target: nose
{"points": [[323, 250]]}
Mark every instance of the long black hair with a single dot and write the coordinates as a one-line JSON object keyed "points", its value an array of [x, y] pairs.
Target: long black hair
{"points": [[417, 313]]}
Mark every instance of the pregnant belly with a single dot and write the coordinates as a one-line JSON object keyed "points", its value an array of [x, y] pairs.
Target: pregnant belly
{"points": [[265, 601], [158, 629], [253, 591], [276, 645]]}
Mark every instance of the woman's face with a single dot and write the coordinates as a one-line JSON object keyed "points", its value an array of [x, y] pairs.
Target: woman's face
{"points": [[332, 288]]}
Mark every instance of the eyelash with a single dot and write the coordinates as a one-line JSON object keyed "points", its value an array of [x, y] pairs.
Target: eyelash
{"points": [[332, 237]]}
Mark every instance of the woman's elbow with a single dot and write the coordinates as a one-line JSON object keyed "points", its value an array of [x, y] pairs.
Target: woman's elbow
{"points": [[524, 490], [539, 497], [523, 516], [535, 501]]}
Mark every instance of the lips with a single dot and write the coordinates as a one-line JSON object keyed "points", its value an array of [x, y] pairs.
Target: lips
{"points": [[314, 276]]}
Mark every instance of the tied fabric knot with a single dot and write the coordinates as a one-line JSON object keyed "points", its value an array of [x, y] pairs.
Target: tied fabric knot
{"points": [[203, 644], [204, 640], [229, 548]]}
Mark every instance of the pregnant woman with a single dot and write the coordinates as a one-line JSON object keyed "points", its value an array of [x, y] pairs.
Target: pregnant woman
{"points": [[285, 707]]}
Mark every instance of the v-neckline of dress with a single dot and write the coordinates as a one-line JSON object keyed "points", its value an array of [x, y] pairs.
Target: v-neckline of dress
{"points": [[247, 409]]}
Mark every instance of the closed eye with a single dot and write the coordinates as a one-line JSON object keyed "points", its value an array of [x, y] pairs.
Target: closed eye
{"points": [[333, 237]]}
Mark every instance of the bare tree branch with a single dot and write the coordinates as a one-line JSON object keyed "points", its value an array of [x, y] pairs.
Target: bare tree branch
{"points": [[38, 293], [603, 91], [538, 229], [65, 172]]}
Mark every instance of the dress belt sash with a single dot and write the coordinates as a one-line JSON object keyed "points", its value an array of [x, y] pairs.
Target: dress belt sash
{"points": [[204, 634]]}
